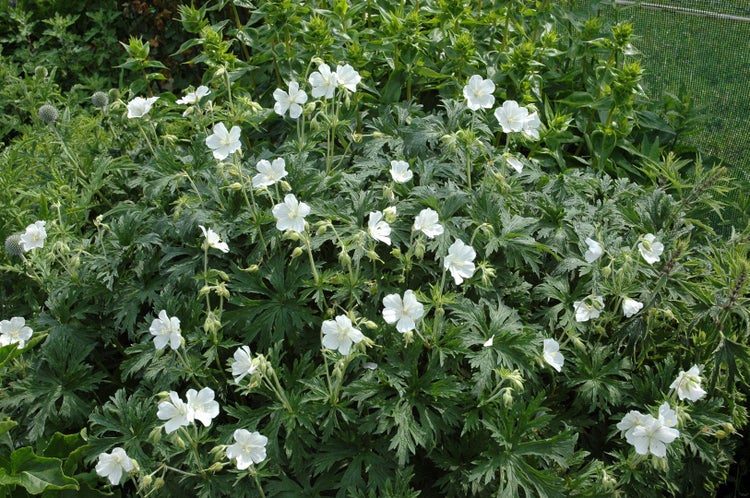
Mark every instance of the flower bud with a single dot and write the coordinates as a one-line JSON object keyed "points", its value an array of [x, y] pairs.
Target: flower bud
{"points": [[40, 72], [720, 434], [13, 245], [146, 481], [344, 258], [390, 213], [370, 325], [48, 113], [155, 435], [729, 428], [178, 441], [158, 483], [216, 467], [100, 99], [285, 186], [212, 323], [235, 186], [251, 269], [419, 249], [408, 337], [222, 291], [297, 252], [507, 397]]}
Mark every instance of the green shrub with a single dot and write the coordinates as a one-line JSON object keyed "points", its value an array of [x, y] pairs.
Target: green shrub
{"points": [[220, 262]]}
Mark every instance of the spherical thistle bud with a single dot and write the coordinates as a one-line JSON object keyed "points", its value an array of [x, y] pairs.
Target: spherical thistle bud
{"points": [[100, 100], [114, 94], [40, 72], [13, 245], [48, 113]]}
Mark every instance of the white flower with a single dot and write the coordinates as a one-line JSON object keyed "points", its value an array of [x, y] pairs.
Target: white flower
{"points": [[511, 116], [166, 330], [589, 308], [175, 412], [194, 97], [202, 405], [652, 436], [222, 142], [427, 223], [531, 126], [213, 239], [403, 312], [249, 448], [594, 251], [552, 355], [513, 162], [649, 434], [339, 334], [112, 465], [688, 384], [290, 214], [400, 171], [460, 261], [630, 307], [650, 248], [489, 342], [139, 107], [34, 236], [269, 172], [629, 422], [347, 77], [378, 228], [478, 93], [291, 101], [324, 82], [14, 331], [243, 364]]}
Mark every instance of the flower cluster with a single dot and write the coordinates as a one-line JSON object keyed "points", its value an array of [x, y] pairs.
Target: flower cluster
{"points": [[200, 406], [511, 117], [649, 434]]}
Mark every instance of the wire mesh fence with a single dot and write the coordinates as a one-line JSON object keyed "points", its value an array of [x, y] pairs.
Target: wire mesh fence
{"points": [[700, 49]]}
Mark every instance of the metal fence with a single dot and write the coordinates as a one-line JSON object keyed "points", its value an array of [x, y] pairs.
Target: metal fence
{"points": [[700, 49]]}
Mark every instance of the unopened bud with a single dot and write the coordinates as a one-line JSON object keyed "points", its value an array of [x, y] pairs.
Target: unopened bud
{"points": [[720, 434], [158, 483], [507, 397], [146, 481], [13, 245], [48, 113], [100, 100], [235, 186], [370, 325], [297, 252], [285, 186], [390, 214], [216, 467], [212, 323]]}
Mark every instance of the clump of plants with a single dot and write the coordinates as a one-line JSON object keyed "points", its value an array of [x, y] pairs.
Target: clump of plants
{"points": [[383, 249]]}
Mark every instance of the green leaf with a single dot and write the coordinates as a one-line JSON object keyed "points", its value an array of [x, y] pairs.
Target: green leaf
{"points": [[35, 473], [6, 425]]}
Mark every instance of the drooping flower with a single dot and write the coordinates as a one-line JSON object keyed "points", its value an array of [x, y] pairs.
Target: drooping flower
{"points": [[34, 236], [14, 331], [112, 465], [403, 312], [594, 251], [589, 308], [427, 223], [511, 116], [213, 239], [223, 143], [650, 248], [139, 107], [323, 82], [340, 334], [531, 126], [194, 97], [460, 261], [248, 448], [630, 307], [291, 101], [166, 330], [478, 93], [175, 411], [269, 172], [688, 384], [202, 405], [551, 354], [290, 214], [243, 364], [378, 228], [347, 77], [400, 171], [513, 162]]}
